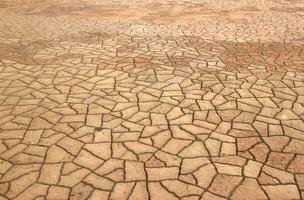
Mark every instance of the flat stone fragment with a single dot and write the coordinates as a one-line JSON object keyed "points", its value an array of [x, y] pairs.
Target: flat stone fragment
{"points": [[122, 191], [162, 173], [73, 178], [88, 160], [50, 173], [192, 164], [249, 189], [224, 184], [158, 192], [210, 196], [181, 189], [33, 191], [134, 171], [205, 175], [99, 194], [252, 169], [101, 150], [228, 169], [56, 154], [282, 192], [99, 182], [297, 165], [140, 192], [56, 192]]}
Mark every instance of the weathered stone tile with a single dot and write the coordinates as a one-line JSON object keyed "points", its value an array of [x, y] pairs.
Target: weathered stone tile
{"points": [[139, 192], [192, 164], [88, 160], [157, 191], [18, 170], [22, 183], [224, 184], [297, 165], [56, 192], [50, 173], [81, 191], [56, 154], [33, 192], [71, 145], [205, 175], [175, 145], [99, 182], [162, 173], [249, 189], [135, 171], [252, 169], [4, 166], [73, 178], [122, 190], [282, 192], [102, 150], [99, 194], [210, 196], [180, 188], [94, 120], [168, 159], [228, 169]]}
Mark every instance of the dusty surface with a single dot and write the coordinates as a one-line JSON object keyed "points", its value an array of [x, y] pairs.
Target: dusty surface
{"points": [[157, 99]]}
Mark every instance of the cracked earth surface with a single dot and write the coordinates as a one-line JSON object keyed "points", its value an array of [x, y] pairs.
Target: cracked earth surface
{"points": [[154, 99]]}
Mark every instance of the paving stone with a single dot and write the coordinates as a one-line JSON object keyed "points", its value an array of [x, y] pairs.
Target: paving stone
{"points": [[300, 180], [57, 154], [151, 99], [192, 164], [205, 175], [282, 191], [159, 192], [99, 182], [175, 145], [181, 189], [71, 145], [50, 173], [162, 173], [140, 191], [22, 183], [210, 196], [4, 166], [135, 171], [196, 149], [73, 178], [249, 189], [99, 194], [122, 190], [102, 150], [81, 191], [297, 165], [228, 169], [281, 175], [88, 160], [224, 184], [33, 192], [59, 193], [252, 169]]}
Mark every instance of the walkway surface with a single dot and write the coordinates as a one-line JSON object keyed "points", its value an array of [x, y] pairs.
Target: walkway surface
{"points": [[152, 99]]}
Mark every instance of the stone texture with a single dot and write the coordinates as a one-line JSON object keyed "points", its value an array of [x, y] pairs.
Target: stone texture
{"points": [[249, 189], [50, 173], [135, 171], [282, 192], [154, 99]]}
